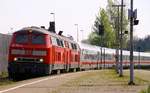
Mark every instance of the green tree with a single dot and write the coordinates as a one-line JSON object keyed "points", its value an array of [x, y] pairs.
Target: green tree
{"points": [[115, 18], [107, 18], [109, 35], [94, 39]]}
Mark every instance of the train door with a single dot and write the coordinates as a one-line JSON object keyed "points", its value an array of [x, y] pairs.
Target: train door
{"points": [[67, 57], [67, 61]]}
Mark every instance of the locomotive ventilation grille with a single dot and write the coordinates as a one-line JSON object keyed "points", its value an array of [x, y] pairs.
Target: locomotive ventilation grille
{"points": [[28, 52]]}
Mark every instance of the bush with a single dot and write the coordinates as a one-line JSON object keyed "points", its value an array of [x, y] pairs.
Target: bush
{"points": [[146, 90]]}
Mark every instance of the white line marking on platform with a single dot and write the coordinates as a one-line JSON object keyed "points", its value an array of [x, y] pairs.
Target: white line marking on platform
{"points": [[27, 84]]}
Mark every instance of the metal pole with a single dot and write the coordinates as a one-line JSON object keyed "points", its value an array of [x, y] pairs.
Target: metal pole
{"points": [[53, 20], [139, 59], [121, 67], [131, 82], [101, 54], [82, 34], [97, 60], [53, 16], [117, 37], [104, 58]]}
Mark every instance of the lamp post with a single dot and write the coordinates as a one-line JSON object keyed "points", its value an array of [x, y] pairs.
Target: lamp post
{"points": [[77, 33], [53, 14], [52, 23], [82, 33]]}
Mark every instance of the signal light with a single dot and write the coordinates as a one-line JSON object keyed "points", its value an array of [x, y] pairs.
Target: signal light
{"points": [[101, 30], [125, 32], [136, 22]]}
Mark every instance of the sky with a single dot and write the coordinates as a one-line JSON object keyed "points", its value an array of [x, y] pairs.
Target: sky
{"points": [[16, 14]]}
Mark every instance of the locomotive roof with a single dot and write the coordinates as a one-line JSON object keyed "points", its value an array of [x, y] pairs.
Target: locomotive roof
{"points": [[45, 31]]}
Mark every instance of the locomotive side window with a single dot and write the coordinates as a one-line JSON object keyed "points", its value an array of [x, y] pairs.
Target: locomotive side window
{"points": [[38, 39], [73, 46], [70, 46], [57, 42], [54, 42], [66, 44], [60, 42], [21, 38]]}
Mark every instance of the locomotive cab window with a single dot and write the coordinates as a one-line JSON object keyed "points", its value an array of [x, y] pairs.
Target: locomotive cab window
{"points": [[21, 37], [38, 38], [24, 36]]}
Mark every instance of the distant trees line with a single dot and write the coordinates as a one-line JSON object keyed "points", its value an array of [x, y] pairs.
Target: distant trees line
{"points": [[142, 45]]}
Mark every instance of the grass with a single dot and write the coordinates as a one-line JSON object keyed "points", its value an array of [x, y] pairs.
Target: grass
{"points": [[4, 79], [102, 80], [4, 74], [146, 90], [108, 77]]}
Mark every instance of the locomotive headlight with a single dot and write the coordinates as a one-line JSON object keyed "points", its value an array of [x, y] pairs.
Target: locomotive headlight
{"points": [[15, 59], [41, 60]]}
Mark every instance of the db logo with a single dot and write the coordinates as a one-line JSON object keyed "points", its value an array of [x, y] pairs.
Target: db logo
{"points": [[28, 52]]}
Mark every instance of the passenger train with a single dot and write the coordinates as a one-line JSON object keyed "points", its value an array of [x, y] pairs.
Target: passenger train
{"points": [[37, 51]]}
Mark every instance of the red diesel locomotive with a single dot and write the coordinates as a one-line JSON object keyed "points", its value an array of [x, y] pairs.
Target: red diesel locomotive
{"points": [[35, 50]]}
